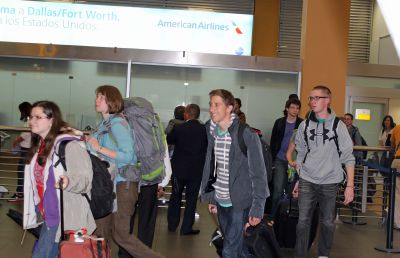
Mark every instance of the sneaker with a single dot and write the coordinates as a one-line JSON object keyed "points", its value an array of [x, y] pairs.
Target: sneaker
{"points": [[16, 198]]}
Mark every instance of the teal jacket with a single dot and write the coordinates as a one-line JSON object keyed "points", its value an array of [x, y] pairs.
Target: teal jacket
{"points": [[115, 134]]}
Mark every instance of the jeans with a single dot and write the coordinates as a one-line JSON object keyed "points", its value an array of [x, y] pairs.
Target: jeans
{"points": [[46, 246], [232, 224], [309, 195], [279, 181]]}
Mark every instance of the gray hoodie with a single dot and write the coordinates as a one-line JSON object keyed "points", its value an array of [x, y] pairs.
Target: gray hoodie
{"points": [[322, 164]]}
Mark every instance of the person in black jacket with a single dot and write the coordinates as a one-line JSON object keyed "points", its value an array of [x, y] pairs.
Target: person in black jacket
{"points": [[281, 134], [190, 140]]}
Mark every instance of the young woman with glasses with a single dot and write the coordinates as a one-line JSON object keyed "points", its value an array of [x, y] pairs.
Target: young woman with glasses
{"points": [[42, 175]]}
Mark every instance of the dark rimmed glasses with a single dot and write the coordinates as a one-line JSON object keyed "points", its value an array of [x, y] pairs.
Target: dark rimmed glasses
{"points": [[316, 98]]}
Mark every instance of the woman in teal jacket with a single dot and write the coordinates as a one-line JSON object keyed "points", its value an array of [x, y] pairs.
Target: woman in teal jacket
{"points": [[113, 141]]}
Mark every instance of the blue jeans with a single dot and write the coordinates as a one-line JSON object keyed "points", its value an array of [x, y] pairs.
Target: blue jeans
{"points": [[46, 246], [232, 224], [280, 182], [309, 195]]}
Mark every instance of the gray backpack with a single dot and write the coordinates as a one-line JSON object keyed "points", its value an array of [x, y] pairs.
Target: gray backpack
{"points": [[149, 137]]}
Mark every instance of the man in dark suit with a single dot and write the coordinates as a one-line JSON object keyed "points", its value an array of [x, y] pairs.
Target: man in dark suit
{"points": [[190, 140]]}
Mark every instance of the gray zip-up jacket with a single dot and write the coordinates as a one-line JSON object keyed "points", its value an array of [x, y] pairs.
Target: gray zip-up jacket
{"points": [[248, 186], [322, 164]]}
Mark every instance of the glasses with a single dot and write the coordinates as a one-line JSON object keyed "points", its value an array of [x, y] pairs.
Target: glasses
{"points": [[316, 98], [37, 117]]}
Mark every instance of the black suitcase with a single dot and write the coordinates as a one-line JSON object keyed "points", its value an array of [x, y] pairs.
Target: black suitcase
{"points": [[286, 221]]}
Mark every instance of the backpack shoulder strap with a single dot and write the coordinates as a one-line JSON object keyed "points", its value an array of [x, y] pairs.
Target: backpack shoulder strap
{"points": [[108, 126], [61, 154], [306, 139], [336, 137], [242, 144]]}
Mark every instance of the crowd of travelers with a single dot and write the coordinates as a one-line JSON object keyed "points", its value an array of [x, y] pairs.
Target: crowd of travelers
{"points": [[221, 159]]}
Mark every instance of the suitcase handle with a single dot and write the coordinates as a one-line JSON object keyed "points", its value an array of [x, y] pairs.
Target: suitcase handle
{"points": [[60, 186]]}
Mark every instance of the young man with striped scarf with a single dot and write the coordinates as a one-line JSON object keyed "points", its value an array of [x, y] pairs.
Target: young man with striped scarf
{"points": [[234, 184]]}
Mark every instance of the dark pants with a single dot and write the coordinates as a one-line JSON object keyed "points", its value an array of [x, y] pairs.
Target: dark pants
{"points": [[232, 224], [174, 206], [117, 224], [147, 213], [21, 171], [279, 183], [309, 195]]}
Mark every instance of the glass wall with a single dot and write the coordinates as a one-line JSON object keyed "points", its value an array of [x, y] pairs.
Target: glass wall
{"points": [[70, 84], [370, 82], [263, 94]]}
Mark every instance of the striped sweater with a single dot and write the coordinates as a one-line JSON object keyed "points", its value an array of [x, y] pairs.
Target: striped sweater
{"points": [[222, 146]]}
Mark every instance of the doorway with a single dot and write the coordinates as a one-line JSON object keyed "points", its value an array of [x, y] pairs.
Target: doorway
{"points": [[369, 129]]}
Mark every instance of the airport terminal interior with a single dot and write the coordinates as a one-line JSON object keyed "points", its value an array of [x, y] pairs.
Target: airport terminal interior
{"points": [[68, 74]]}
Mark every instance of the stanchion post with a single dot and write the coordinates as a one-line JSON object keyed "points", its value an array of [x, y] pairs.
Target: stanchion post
{"points": [[390, 219]]}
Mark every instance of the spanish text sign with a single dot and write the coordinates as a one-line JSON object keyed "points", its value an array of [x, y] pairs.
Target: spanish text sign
{"points": [[125, 27]]}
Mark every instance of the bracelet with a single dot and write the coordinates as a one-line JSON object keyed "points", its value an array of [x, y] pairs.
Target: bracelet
{"points": [[99, 148]]}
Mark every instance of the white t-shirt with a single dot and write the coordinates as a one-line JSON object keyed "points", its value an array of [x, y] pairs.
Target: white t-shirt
{"points": [[382, 138]]}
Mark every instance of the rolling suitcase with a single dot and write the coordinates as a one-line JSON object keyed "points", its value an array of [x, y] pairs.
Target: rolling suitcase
{"points": [[77, 244], [286, 222]]}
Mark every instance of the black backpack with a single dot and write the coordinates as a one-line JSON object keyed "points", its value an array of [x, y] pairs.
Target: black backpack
{"points": [[261, 241], [102, 194], [266, 150], [217, 239], [335, 137]]}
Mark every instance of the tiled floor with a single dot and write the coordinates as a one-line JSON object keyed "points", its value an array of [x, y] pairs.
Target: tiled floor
{"points": [[350, 241]]}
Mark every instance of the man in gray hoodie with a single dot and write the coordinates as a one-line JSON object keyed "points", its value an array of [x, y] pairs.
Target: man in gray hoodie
{"points": [[320, 160]]}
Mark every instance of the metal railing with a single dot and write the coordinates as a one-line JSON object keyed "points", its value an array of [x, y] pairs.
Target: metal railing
{"points": [[375, 185], [371, 191], [9, 172]]}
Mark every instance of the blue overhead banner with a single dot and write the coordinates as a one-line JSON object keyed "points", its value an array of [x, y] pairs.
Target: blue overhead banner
{"points": [[125, 27]]}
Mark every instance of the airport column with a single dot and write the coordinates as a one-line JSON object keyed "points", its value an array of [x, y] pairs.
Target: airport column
{"points": [[324, 47], [265, 28]]}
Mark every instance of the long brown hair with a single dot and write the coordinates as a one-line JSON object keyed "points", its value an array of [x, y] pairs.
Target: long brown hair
{"points": [[51, 110]]}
